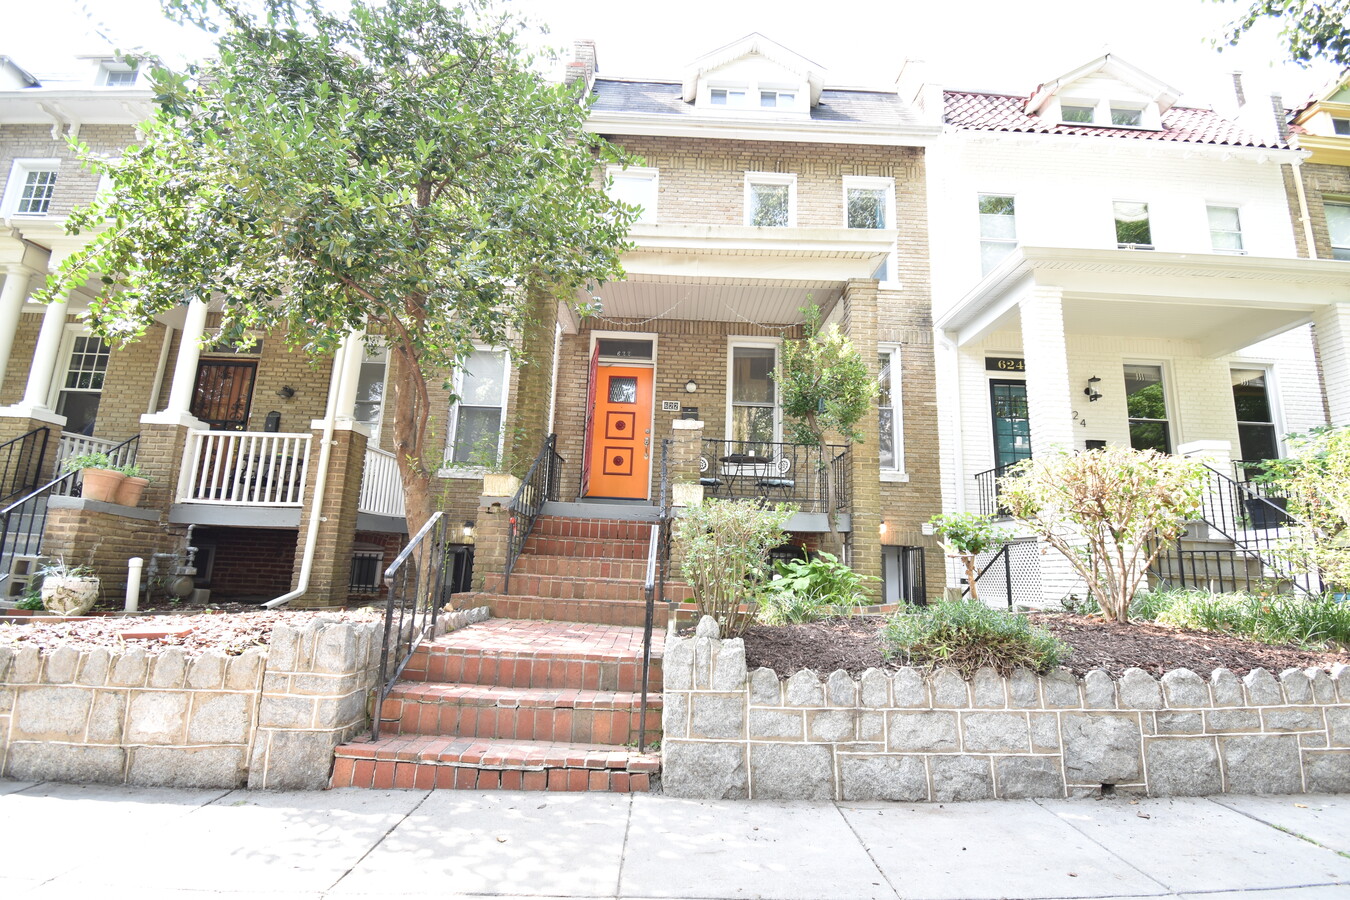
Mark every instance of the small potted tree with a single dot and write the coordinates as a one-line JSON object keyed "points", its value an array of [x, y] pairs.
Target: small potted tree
{"points": [[965, 536], [68, 590], [100, 479], [133, 485]]}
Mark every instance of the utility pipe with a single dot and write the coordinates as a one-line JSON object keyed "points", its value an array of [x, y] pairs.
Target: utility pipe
{"points": [[1296, 170], [341, 360], [158, 389], [134, 583]]}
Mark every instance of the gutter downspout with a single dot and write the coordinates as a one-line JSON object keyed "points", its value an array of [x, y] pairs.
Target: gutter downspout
{"points": [[160, 369], [1296, 169], [340, 363]]}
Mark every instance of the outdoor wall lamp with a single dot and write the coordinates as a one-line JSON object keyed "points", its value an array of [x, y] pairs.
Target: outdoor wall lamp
{"points": [[690, 386], [468, 528], [1091, 391], [286, 392]]}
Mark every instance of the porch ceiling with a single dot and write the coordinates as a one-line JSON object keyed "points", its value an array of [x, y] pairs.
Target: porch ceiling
{"points": [[763, 301], [1222, 303]]}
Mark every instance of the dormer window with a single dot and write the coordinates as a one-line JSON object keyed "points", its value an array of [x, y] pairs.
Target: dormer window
{"points": [[115, 74], [777, 98], [1128, 116], [1076, 112], [726, 97], [1341, 126]]}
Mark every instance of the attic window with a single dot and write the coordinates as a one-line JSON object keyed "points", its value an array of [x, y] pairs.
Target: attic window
{"points": [[726, 97], [113, 74], [777, 98], [1341, 126], [1076, 113], [1128, 116]]}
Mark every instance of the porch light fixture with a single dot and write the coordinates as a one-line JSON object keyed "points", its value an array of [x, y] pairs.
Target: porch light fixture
{"points": [[286, 392], [690, 386], [883, 526], [1091, 391], [468, 528]]}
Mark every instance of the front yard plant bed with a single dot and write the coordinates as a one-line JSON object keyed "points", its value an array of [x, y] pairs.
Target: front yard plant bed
{"points": [[228, 633], [854, 645]]}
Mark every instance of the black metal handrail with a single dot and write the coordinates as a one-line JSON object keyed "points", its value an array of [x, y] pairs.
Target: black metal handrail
{"points": [[775, 471], [1007, 574], [653, 585], [21, 463], [23, 521], [539, 485], [417, 592], [987, 484]]}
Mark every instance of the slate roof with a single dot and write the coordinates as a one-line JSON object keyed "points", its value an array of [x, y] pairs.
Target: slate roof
{"points": [[1005, 112], [874, 108]]}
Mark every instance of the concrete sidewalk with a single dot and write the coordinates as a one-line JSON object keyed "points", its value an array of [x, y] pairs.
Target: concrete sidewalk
{"points": [[72, 841]]}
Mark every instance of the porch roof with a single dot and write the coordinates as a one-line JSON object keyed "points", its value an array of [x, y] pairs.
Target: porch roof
{"points": [[734, 273], [1221, 302]]}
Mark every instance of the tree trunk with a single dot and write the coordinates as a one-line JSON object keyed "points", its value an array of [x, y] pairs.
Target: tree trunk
{"points": [[969, 560], [410, 416]]}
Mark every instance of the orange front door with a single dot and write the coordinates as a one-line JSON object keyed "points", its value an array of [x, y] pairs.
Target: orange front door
{"points": [[620, 442]]}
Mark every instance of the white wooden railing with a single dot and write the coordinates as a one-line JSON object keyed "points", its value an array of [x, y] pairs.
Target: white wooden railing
{"points": [[381, 484], [245, 468], [72, 445]]}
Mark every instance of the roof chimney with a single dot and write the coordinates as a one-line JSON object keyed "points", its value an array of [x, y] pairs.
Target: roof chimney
{"points": [[1281, 117], [583, 66], [1237, 90]]}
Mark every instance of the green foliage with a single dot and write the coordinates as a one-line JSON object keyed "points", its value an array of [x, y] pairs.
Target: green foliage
{"points": [[1110, 512], [394, 165], [724, 547], [1316, 479], [87, 461], [810, 590], [967, 535], [790, 608], [1315, 623], [967, 635], [59, 568], [31, 599], [1312, 29], [131, 470]]}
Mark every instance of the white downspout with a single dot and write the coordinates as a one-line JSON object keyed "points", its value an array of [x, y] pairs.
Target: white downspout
{"points": [[1295, 168], [340, 362], [160, 369]]}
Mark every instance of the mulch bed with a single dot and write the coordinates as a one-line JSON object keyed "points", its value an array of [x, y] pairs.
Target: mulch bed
{"points": [[230, 633], [854, 645]]}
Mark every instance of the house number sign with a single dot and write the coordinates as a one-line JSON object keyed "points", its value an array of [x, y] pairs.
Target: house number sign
{"points": [[1004, 364]]}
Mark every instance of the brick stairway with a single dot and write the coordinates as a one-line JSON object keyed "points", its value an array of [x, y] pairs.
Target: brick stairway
{"points": [[545, 697]]}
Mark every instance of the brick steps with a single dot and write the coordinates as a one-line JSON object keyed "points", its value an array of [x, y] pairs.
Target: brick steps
{"points": [[573, 547], [559, 668], [628, 613], [591, 529], [435, 761], [562, 715], [601, 568]]}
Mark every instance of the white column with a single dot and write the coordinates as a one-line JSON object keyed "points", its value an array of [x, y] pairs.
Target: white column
{"points": [[1047, 371], [39, 385], [184, 371], [349, 357], [1332, 324], [12, 298]]}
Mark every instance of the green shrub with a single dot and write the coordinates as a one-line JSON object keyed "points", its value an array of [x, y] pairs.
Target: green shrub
{"points": [[966, 536], [824, 576], [789, 608], [87, 461], [724, 550], [1314, 623], [967, 635]]}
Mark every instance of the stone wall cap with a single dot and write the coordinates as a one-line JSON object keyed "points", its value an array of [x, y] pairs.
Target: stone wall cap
{"points": [[98, 506]]}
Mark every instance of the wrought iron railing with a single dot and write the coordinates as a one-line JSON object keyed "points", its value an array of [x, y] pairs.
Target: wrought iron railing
{"points": [[540, 485], [23, 521], [775, 471], [987, 485], [21, 461], [1247, 472], [912, 575], [418, 589], [654, 585]]}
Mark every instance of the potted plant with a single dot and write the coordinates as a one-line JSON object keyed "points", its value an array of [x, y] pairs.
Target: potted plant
{"points": [[100, 479], [133, 486], [68, 590]]}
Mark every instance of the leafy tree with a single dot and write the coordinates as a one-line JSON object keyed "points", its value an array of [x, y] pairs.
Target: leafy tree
{"points": [[400, 167], [1312, 29], [1110, 512], [1317, 481], [966, 536], [825, 390], [723, 547]]}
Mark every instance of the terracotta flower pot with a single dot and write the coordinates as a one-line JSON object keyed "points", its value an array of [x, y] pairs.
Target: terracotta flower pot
{"points": [[130, 490], [101, 484], [67, 596]]}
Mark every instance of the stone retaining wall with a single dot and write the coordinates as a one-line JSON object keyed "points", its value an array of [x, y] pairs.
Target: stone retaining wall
{"points": [[268, 718], [905, 735]]}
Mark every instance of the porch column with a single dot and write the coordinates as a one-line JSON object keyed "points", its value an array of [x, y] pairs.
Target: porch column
{"points": [[349, 358], [1049, 410], [12, 298], [1332, 324], [184, 370], [34, 403], [858, 320]]}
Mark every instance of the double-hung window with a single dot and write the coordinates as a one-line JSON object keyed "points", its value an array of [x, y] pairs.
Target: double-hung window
{"points": [[82, 385], [1146, 402], [636, 186], [998, 229], [1257, 433], [1225, 229], [770, 199], [1338, 228], [1132, 226], [870, 203], [476, 419], [754, 399], [32, 184], [769, 99], [890, 442], [370, 387]]}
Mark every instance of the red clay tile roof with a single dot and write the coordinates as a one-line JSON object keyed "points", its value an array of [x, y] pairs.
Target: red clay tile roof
{"points": [[1004, 112]]}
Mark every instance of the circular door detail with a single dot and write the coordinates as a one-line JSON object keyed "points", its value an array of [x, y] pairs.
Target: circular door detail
{"points": [[620, 425], [618, 460]]}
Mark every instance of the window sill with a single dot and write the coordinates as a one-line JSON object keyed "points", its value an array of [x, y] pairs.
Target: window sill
{"points": [[894, 477], [467, 473]]}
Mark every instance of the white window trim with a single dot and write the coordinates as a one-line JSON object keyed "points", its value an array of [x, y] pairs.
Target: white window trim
{"points": [[1341, 204], [898, 472], [452, 424], [597, 336], [1076, 102], [1273, 396], [1175, 433], [18, 173], [381, 342], [1241, 232], [73, 330], [1115, 235], [776, 344], [649, 173], [871, 182], [109, 66], [981, 240], [788, 178]]}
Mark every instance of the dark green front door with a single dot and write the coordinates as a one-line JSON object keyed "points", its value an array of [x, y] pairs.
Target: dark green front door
{"points": [[1012, 430]]}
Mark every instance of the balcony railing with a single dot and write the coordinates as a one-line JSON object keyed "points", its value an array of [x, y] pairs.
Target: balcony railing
{"points": [[775, 472], [987, 483], [245, 468], [381, 485], [120, 453]]}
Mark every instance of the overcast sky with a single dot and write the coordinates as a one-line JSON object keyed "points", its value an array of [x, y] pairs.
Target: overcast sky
{"points": [[1001, 45]]}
